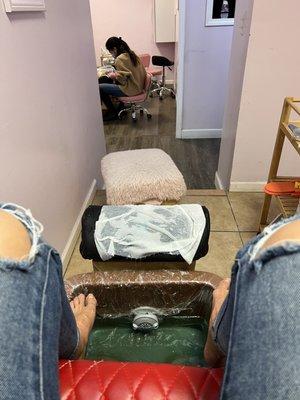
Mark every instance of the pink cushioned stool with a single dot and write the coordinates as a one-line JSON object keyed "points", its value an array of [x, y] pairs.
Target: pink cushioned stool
{"points": [[141, 176]]}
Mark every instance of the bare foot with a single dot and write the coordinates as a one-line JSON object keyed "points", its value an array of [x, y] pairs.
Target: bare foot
{"points": [[213, 356], [84, 310]]}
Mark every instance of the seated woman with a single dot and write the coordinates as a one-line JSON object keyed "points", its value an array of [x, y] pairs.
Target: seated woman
{"points": [[127, 80]]}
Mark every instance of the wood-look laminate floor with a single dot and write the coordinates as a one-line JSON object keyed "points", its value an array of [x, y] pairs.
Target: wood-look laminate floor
{"points": [[197, 159]]}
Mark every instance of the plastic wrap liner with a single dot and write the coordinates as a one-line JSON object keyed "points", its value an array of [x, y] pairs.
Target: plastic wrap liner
{"points": [[181, 293]]}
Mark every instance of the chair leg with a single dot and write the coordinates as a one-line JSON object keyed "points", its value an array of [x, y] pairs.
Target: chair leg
{"points": [[158, 89], [149, 115], [155, 85], [124, 110], [133, 112], [170, 91], [167, 91]]}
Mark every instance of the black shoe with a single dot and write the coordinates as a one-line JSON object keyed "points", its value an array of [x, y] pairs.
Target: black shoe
{"points": [[110, 116]]}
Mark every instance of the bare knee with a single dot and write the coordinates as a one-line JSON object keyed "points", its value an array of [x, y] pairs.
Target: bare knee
{"points": [[15, 241], [290, 232]]}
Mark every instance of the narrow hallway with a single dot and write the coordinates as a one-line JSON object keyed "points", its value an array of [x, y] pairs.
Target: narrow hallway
{"points": [[196, 159]]}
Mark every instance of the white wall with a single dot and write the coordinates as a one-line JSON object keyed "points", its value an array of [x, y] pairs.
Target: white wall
{"points": [[131, 19], [206, 61], [50, 128], [243, 14], [271, 73]]}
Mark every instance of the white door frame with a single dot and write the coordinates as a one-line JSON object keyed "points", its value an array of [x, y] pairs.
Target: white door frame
{"points": [[180, 68]]}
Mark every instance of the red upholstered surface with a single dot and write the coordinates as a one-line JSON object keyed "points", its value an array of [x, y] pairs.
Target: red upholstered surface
{"points": [[105, 380]]}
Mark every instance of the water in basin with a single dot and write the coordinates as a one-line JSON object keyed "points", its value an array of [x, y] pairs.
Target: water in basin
{"points": [[178, 340]]}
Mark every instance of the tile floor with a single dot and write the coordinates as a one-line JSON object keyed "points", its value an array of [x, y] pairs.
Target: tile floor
{"points": [[234, 220]]}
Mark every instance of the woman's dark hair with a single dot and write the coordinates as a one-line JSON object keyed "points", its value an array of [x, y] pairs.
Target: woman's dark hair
{"points": [[122, 47]]}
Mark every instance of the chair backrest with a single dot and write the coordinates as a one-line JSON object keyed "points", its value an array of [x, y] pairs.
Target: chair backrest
{"points": [[147, 84], [145, 59]]}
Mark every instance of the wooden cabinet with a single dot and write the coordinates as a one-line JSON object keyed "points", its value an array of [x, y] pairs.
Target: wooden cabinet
{"points": [[165, 20]]}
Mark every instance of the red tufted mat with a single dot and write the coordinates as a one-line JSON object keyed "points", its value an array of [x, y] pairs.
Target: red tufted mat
{"points": [[105, 380]]}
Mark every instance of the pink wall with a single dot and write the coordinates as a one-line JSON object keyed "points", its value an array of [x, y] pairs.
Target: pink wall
{"points": [[207, 53], [133, 20], [271, 73], [51, 127]]}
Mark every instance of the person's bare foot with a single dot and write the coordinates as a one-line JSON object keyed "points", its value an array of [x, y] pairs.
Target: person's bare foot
{"points": [[213, 356], [84, 310]]}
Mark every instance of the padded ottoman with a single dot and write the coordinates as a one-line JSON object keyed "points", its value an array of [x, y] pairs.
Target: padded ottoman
{"points": [[89, 380], [89, 250], [139, 176]]}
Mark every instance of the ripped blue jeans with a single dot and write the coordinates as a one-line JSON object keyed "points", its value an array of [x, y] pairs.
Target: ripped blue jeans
{"points": [[37, 326], [258, 325]]}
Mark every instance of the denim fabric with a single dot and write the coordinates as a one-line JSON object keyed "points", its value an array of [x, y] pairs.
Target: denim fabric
{"points": [[111, 89], [106, 91], [258, 326], [36, 322]]}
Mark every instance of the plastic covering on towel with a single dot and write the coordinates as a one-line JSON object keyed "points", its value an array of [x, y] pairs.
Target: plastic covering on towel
{"points": [[118, 293], [137, 231]]}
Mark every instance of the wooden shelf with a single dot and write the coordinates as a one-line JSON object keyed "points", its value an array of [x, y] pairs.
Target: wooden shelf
{"points": [[288, 205], [288, 133]]}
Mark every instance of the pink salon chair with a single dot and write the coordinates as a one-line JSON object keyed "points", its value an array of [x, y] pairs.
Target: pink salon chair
{"points": [[135, 103], [155, 72]]}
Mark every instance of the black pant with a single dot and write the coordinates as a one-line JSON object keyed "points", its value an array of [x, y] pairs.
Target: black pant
{"points": [[105, 98]]}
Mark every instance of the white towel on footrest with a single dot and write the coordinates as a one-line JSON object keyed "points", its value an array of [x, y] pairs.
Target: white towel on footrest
{"points": [[138, 231]]}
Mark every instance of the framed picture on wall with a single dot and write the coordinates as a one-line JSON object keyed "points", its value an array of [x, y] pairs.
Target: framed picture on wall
{"points": [[220, 12], [24, 5]]}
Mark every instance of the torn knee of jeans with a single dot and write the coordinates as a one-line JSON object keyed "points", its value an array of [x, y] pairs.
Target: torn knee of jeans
{"points": [[34, 229]]}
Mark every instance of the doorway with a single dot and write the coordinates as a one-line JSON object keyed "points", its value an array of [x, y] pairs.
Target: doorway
{"points": [[196, 157]]}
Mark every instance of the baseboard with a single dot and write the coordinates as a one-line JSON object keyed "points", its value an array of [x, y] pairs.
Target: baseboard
{"points": [[201, 133], [74, 235], [247, 186], [169, 81], [218, 182]]}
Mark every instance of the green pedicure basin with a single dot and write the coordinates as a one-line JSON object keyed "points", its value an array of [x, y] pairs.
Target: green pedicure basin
{"points": [[148, 316]]}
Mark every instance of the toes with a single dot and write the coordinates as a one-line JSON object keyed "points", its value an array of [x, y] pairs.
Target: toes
{"points": [[91, 300], [227, 281], [75, 302], [72, 304], [81, 299]]}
